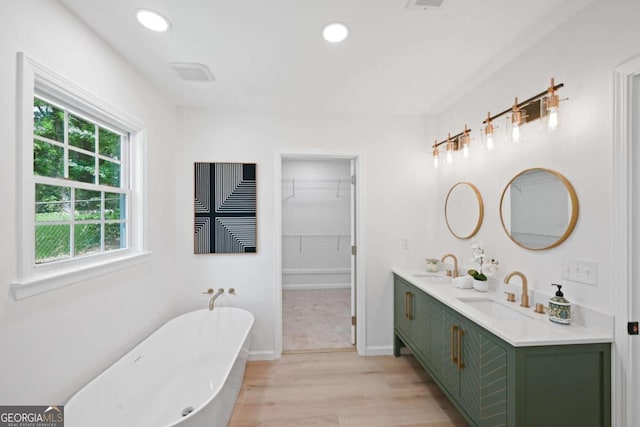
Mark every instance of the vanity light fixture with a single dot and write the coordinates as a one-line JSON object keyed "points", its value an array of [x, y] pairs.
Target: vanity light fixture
{"points": [[544, 105], [335, 32], [452, 144], [488, 132], [153, 20]]}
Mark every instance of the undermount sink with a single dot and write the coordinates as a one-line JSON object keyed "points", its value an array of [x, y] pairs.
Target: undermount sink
{"points": [[433, 278], [496, 310]]}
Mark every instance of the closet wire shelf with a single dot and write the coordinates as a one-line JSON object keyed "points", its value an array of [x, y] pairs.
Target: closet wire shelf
{"points": [[308, 238], [291, 185]]}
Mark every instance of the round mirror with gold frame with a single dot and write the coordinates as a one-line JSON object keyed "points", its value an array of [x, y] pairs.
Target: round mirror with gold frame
{"points": [[464, 210], [539, 209]]}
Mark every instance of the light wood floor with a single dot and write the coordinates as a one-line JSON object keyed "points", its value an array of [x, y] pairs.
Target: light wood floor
{"points": [[341, 389]]}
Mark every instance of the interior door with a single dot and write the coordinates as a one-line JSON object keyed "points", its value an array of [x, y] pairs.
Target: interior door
{"points": [[354, 266]]}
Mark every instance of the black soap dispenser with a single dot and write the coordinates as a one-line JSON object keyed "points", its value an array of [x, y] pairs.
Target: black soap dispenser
{"points": [[559, 308]]}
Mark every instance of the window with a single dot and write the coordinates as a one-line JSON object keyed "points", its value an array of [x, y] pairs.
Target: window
{"points": [[81, 185], [80, 172]]}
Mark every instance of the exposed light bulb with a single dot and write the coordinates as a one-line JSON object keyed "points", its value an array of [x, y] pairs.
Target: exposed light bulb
{"points": [[490, 142], [488, 133], [515, 133], [436, 162], [552, 122], [449, 157], [465, 151]]}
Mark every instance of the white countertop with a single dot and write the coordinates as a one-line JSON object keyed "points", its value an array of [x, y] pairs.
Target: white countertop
{"points": [[530, 329]]}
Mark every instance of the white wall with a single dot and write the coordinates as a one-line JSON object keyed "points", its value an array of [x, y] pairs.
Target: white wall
{"points": [[316, 223], [395, 177], [582, 54], [54, 343]]}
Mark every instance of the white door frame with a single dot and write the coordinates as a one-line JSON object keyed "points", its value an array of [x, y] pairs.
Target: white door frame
{"points": [[279, 155], [624, 397]]}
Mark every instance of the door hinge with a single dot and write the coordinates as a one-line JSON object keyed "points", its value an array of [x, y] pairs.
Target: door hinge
{"points": [[353, 321], [353, 180], [632, 328], [354, 250]]}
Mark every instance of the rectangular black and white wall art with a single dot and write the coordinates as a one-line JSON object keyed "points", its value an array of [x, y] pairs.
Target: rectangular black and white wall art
{"points": [[225, 208]]}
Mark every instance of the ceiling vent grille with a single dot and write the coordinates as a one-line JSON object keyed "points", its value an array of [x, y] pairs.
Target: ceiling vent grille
{"points": [[192, 72], [424, 4]]}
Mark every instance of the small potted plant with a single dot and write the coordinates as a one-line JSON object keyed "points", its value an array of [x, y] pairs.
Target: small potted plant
{"points": [[480, 282]]}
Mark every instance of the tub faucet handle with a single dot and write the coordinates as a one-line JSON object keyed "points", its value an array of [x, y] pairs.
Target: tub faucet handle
{"points": [[232, 291], [208, 291]]}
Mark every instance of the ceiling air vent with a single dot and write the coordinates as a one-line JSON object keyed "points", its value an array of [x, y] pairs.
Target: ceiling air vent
{"points": [[424, 4], [192, 72]]}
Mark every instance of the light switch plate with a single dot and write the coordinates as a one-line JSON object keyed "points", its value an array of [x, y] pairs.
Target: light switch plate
{"points": [[404, 243], [580, 270]]}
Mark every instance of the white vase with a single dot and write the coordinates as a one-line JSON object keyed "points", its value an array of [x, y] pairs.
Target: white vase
{"points": [[481, 285]]}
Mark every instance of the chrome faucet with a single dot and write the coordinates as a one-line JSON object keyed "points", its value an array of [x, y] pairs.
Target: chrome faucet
{"points": [[524, 299], [214, 297], [455, 263]]}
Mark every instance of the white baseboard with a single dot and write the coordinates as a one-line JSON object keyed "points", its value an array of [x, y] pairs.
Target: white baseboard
{"points": [[296, 287], [386, 350], [315, 271], [263, 355]]}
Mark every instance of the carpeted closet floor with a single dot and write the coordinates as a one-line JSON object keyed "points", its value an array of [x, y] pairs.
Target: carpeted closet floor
{"points": [[316, 319]]}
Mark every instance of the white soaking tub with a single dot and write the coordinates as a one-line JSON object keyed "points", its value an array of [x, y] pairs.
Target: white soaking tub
{"points": [[186, 373]]}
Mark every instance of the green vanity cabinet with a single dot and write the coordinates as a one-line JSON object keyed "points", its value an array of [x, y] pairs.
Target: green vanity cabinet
{"points": [[495, 384]]}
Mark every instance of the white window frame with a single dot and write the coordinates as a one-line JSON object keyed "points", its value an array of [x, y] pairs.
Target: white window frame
{"points": [[34, 79]]}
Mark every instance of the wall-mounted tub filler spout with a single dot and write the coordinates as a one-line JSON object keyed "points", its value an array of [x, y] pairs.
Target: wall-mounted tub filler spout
{"points": [[213, 298], [524, 299], [455, 263]]}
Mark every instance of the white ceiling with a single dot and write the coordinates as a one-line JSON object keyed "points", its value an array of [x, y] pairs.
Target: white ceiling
{"points": [[269, 54]]}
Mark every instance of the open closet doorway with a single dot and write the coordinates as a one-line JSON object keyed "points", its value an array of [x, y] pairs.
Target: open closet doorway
{"points": [[318, 256]]}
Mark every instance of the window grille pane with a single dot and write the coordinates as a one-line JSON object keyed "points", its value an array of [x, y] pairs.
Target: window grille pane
{"points": [[109, 143], [81, 167], [48, 159], [82, 134], [114, 236], [87, 239], [52, 243], [53, 203], [114, 206], [87, 205], [109, 173], [48, 121]]}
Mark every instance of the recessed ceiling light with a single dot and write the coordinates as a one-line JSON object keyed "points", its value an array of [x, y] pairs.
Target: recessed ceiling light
{"points": [[335, 32], [153, 20]]}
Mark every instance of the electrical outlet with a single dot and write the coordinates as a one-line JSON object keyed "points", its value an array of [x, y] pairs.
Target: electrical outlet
{"points": [[404, 243], [579, 270]]}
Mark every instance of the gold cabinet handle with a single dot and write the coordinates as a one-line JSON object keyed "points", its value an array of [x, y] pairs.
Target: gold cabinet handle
{"points": [[460, 335], [408, 303], [454, 357]]}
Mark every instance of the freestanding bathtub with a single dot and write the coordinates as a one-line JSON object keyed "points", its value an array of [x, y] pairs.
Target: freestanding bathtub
{"points": [[186, 373]]}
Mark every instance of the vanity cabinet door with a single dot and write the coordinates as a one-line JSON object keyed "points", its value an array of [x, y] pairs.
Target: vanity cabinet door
{"points": [[411, 318], [483, 376], [439, 349], [420, 327], [402, 307], [471, 367]]}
